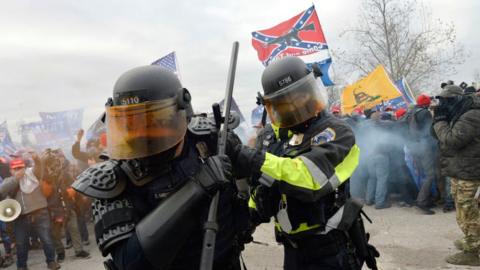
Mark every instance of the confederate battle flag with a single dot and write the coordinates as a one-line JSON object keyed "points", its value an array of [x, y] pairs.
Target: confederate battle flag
{"points": [[300, 35]]}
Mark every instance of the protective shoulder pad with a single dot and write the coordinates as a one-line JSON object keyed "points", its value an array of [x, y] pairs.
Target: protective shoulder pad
{"points": [[201, 125], [114, 221], [204, 124], [103, 180]]}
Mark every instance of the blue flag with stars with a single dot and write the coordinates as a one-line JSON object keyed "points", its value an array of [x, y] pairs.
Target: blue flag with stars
{"points": [[169, 61]]}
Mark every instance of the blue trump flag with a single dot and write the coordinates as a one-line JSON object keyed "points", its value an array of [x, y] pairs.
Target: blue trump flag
{"points": [[64, 124], [6, 145], [324, 66], [55, 129], [49, 133]]}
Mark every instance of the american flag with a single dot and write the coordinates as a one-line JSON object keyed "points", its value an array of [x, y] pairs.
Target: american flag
{"points": [[169, 61]]}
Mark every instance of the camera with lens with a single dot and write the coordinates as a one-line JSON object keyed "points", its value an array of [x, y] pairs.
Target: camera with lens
{"points": [[434, 101]]}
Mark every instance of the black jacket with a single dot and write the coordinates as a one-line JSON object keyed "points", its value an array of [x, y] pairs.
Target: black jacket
{"points": [[459, 143]]}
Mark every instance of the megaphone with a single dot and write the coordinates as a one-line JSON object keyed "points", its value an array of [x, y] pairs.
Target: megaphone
{"points": [[10, 209]]}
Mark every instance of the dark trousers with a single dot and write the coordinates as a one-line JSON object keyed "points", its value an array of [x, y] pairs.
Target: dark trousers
{"points": [[328, 254], [82, 227], [7, 243], [427, 164], [39, 223], [401, 181]]}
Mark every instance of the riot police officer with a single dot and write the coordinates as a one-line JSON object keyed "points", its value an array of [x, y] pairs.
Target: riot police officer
{"points": [[301, 179], [152, 196]]}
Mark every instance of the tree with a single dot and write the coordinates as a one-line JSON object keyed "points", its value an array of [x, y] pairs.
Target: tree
{"points": [[334, 92], [476, 76], [400, 35]]}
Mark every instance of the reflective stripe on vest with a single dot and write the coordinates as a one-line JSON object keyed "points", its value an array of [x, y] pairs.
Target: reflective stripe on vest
{"points": [[343, 171], [251, 203], [332, 224], [302, 228]]}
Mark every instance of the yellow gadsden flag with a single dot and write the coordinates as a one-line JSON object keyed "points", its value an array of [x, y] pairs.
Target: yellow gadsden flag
{"points": [[369, 91]]}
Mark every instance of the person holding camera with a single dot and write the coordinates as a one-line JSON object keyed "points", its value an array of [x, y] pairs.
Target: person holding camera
{"points": [[456, 124], [61, 202]]}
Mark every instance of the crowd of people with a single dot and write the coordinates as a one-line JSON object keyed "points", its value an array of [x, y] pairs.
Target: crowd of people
{"points": [[425, 156], [50, 210], [400, 158], [151, 191]]}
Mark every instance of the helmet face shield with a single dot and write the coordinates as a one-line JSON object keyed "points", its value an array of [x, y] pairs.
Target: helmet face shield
{"points": [[295, 103], [145, 129]]}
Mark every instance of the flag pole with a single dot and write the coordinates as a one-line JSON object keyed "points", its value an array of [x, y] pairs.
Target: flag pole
{"points": [[178, 65], [332, 87], [409, 89]]}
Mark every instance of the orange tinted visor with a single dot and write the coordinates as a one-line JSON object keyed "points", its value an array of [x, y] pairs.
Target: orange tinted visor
{"points": [[141, 130], [295, 103]]}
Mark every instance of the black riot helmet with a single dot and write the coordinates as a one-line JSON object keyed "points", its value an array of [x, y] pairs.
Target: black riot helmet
{"points": [[291, 93], [148, 113]]}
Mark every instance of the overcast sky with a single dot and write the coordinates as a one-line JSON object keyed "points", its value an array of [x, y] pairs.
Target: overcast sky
{"points": [[60, 55]]}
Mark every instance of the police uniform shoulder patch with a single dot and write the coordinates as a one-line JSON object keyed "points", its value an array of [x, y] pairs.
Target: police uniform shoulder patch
{"points": [[325, 136]]}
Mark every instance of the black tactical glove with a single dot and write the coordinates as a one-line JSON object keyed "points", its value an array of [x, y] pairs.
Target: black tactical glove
{"points": [[248, 160], [265, 205], [373, 253], [440, 113], [231, 149], [215, 173]]}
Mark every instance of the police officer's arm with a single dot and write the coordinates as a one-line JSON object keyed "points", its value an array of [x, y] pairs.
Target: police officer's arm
{"points": [[78, 154], [313, 174], [466, 129]]}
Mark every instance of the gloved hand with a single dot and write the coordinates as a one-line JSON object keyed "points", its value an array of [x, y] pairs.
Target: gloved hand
{"points": [[248, 160], [215, 173], [373, 253], [440, 114], [265, 205], [232, 147]]}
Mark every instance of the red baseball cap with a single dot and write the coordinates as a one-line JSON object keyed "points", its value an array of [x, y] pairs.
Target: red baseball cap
{"points": [[423, 100], [335, 109], [17, 163], [358, 110], [400, 112]]}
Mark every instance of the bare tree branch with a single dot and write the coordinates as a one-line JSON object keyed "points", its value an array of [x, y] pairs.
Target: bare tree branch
{"points": [[400, 35]]}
